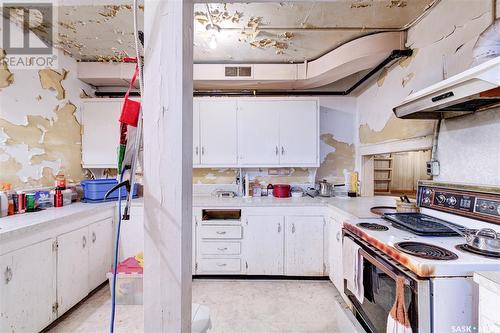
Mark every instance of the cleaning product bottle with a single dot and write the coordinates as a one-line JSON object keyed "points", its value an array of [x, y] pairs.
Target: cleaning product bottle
{"points": [[4, 204], [60, 180], [11, 208]]}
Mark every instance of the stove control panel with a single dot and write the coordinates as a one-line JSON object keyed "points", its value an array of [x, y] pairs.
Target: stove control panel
{"points": [[459, 201]]}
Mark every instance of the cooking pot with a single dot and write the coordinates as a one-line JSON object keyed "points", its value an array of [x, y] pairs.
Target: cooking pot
{"points": [[484, 239], [325, 188], [281, 191]]}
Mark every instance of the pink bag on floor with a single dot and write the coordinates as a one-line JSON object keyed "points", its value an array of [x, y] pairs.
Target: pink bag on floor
{"points": [[398, 321]]}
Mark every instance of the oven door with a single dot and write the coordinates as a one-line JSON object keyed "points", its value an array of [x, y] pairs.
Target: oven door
{"points": [[379, 282]]}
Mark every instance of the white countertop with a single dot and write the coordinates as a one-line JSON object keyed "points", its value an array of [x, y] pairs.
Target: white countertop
{"points": [[488, 280], [356, 207], [15, 223]]}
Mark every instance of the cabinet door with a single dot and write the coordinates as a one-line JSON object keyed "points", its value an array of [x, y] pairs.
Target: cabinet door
{"points": [[196, 132], [263, 245], [258, 133], [27, 288], [335, 254], [218, 132], [101, 133], [304, 246], [100, 251], [299, 133], [72, 268]]}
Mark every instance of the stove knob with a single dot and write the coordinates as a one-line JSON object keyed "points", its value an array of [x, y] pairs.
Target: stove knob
{"points": [[427, 201], [441, 198], [428, 191], [498, 209], [451, 201]]}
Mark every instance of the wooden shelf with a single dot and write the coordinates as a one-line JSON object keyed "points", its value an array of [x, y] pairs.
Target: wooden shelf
{"points": [[383, 180], [383, 158], [383, 169]]}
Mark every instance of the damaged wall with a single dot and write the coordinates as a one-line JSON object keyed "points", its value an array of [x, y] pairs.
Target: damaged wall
{"points": [[40, 124], [442, 44], [337, 151]]}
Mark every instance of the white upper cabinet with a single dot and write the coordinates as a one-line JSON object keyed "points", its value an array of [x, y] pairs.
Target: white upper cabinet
{"points": [[196, 132], [218, 135], [278, 132], [101, 132], [298, 128], [258, 133]]}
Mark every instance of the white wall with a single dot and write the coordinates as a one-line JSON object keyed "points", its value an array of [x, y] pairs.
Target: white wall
{"points": [[469, 148]]}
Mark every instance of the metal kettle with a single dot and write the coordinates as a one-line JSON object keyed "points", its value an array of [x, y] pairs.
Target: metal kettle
{"points": [[325, 188]]}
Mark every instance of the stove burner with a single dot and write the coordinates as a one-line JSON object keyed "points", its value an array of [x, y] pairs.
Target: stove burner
{"points": [[469, 249], [426, 251], [372, 226]]}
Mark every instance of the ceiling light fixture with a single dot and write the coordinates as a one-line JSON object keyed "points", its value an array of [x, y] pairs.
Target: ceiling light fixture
{"points": [[212, 29]]}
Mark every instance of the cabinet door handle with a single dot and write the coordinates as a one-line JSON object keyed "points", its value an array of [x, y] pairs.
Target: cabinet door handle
{"points": [[94, 237], [293, 228], [84, 241], [279, 227], [221, 265], [196, 150], [338, 236], [277, 151], [203, 150], [222, 248], [221, 232], [282, 150], [8, 274]]}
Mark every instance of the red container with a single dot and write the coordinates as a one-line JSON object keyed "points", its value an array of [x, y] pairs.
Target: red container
{"points": [[58, 199], [281, 191]]}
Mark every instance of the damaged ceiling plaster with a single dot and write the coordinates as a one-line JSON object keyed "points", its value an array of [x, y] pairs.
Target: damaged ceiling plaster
{"points": [[280, 32]]}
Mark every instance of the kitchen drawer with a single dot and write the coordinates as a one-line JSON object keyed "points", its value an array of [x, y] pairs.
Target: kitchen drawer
{"points": [[219, 265], [223, 232], [208, 248]]}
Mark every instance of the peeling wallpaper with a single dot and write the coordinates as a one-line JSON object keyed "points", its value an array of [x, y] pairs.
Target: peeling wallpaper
{"points": [[443, 41], [39, 124], [337, 151]]}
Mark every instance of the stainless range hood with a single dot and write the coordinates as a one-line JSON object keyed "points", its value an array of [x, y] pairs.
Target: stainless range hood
{"points": [[473, 90]]}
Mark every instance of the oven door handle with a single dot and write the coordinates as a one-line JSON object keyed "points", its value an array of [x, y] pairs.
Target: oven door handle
{"points": [[377, 264]]}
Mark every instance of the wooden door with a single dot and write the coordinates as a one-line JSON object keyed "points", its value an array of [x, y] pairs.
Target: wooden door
{"points": [[72, 268], [101, 133], [27, 288], [100, 251], [299, 133], [335, 254], [258, 133], [304, 246], [196, 132], [218, 132], [263, 245]]}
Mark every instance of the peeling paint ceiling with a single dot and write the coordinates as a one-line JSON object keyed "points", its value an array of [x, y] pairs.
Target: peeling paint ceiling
{"points": [[249, 32]]}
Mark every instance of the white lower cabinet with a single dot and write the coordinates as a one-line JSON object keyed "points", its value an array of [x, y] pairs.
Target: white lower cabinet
{"points": [[27, 288], [100, 252], [335, 253], [304, 246], [263, 245], [72, 268]]}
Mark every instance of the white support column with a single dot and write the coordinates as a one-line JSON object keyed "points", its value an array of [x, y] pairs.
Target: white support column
{"points": [[168, 113]]}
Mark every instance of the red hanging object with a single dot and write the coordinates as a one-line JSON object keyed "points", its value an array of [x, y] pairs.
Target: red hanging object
{"points": [[131, 108]]}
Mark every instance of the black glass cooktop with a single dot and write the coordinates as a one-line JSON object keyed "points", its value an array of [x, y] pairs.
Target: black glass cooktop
{"points": [[421, 224]]}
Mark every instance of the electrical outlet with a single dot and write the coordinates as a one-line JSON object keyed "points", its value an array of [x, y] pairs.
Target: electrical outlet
{"points": [[433, 168]]}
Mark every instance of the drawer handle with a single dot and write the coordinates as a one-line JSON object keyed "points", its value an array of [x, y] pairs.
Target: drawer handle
{"points": [[338, 236], [222, 248], [94, 237], [293, 228], [221, 232], [282, 150], [221, 265], [8, 274], [277, 150], [279, 227], [196, 150], [84, 241]]}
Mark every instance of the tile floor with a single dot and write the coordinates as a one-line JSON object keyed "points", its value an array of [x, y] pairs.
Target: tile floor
{"points": [[236, 306]]}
